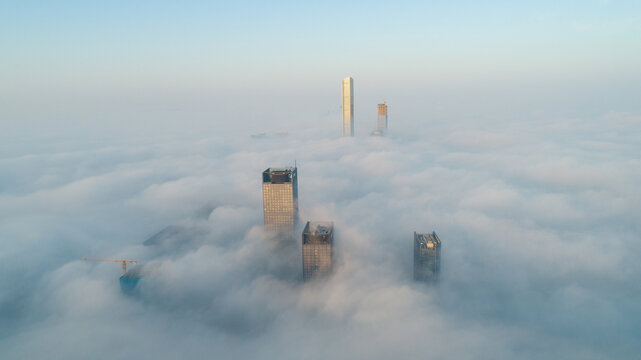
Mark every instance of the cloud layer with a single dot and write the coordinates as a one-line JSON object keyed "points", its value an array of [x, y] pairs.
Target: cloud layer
{"points": [[539, 223]]}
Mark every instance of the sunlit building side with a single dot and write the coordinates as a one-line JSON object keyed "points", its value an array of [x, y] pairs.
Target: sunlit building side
{"points": [[348, 106], [280, 199], [427, 257], [318, 244]]}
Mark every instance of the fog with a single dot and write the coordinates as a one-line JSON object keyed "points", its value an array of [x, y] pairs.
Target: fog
{"points": [[538, 216]]}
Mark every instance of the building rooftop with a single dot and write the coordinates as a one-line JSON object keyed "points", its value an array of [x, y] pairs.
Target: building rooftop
{"points": [[319, 228], [280, 169], [279, 175], [318, 232], [427, 240]]}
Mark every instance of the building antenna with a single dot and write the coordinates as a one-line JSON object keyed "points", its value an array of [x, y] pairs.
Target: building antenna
{"points": [[294, 163]]}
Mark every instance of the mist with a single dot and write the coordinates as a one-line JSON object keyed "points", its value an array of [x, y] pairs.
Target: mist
{"points": [[514, 134], [538, 215]]}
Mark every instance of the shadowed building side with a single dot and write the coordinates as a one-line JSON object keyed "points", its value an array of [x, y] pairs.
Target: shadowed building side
{"points": [[318, 247], [280, 199], [427, 257], [129, 281]]}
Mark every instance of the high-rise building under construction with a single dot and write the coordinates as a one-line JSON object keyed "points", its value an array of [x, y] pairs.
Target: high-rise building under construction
{"points": [[382, 118], [348, 106], [427, 257], [318, 244], [280, 199]]}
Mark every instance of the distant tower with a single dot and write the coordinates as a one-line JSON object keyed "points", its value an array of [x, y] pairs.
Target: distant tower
{"points": [[348, 106], [427, 257], [382, 117], [318, 243], [280, 199]]}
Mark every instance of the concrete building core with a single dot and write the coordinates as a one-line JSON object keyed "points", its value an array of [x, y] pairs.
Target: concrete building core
{"points": [[348, 106], [280, 199], [318, 244], [427, 257]]}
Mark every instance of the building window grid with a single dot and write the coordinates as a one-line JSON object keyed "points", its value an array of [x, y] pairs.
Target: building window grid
{"points": [[279, 205], [316, 258]]}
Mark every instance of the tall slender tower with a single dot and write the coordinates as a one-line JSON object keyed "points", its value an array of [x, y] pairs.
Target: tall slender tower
{"points": [[348, 106], [280, 199], [318, 244], [382, 117]]}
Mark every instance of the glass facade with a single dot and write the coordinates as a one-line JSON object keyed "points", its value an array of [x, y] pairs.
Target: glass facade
{"points": [[348, 106], [318, 243], [427, 257], [280, 199], [382, 117]]}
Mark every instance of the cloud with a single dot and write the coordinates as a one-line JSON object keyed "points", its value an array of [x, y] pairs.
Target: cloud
{"points": [[539, 230], [622, 119], [479, 140]]}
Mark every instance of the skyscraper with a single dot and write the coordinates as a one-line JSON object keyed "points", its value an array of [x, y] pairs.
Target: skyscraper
{"points": [[318, 244], [348, 106], [382, 118], [427, 257], [280, 199]]}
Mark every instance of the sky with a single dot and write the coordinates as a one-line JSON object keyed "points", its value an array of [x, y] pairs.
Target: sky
{"points": [[126, 66], [514, 135]]}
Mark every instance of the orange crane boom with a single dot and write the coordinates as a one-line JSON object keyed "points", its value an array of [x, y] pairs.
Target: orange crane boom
{"points": [[123, 261]]}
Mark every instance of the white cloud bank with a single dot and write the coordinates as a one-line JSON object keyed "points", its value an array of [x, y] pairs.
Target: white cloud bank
{"points": [[540, 233]]}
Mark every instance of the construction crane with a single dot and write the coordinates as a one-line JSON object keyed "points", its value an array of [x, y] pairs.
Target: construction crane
{"points": [[123, 261]]}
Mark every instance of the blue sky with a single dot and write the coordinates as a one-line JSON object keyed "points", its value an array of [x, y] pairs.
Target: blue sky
{"points": [[154, 52]]}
